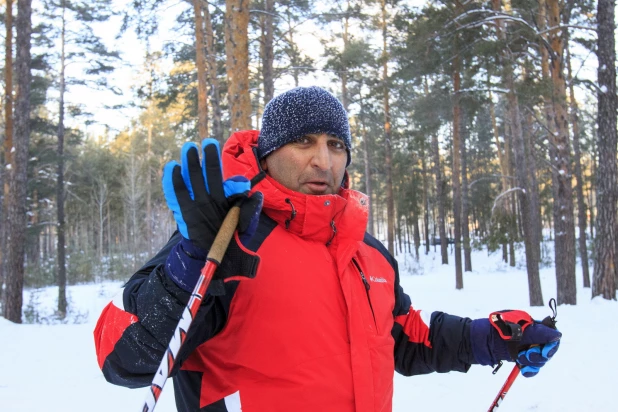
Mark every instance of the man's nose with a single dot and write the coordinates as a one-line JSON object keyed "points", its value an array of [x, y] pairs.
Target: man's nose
{"points": [[321, 157]]}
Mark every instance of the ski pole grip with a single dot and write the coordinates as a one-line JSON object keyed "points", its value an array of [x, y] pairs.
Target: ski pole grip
{"points": [[222, 240]]}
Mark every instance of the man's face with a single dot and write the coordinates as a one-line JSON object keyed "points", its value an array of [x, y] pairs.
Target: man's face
{"points": [[313, 165]]}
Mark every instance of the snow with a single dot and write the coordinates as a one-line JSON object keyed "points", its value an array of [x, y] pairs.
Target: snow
{"points": [[53, 367], [603, 89]]}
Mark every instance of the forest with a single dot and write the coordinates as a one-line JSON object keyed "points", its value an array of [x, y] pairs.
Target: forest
{"points": [[475, 123]]}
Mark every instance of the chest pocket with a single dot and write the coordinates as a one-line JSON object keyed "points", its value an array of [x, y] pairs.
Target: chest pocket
{"points": [[378, 288]]}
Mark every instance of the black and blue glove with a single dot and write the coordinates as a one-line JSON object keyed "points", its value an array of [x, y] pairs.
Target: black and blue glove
{"points": [[514, 336], [199, 199]]}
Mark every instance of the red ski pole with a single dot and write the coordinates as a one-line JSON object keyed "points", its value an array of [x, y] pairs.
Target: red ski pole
{"points": [[215, 255], [505, 388]]}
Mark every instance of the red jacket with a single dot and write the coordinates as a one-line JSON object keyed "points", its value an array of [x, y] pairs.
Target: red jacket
{"points": [[323, 325]]}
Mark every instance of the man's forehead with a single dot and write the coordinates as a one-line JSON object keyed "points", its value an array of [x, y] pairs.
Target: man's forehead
{"points": [[328, 135]]}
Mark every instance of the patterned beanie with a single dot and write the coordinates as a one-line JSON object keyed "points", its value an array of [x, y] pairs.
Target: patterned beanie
{"points": [[301, 111]]}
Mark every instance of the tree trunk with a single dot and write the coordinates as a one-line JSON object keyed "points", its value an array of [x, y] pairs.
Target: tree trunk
{"points": [[579, 188], [439, 193], [604, 280], [532, 258], [425, 197], [593, 202], [465, 221], [457, 159], [563, 202], [16, 213], [390, 203], [60, 224], [237, 53], [535, 202], [8, 135], [267, 49], [455, 175], [345, 101], [213, 80], [417, 237], [512, 198], [504, 168], [367, 164], [200, 59]]}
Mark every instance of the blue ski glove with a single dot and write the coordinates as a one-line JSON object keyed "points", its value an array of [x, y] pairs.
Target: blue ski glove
{"points": [[514, 336], [200, 200]]}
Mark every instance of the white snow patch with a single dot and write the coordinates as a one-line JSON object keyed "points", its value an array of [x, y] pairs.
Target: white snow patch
{"points": [[603, 89]]}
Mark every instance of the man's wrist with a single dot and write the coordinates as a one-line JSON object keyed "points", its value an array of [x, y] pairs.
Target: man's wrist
{"points": [[488, 347], [184, 264], [193, 251]]}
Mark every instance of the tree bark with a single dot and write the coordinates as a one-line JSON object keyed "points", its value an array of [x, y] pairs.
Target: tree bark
{"points": [[267, 49], [425, 197], [367, 164], [200, 60], [16, 213], [533, 189], [417, 237], [563, 202], [8, 135], [390, 203], [60, 224], [345, 100], [455, 175], [579, 188], [213, 80], [465, 221], [237, 53], [457, 158], [532, 258], [439, 192], [604, 280]]}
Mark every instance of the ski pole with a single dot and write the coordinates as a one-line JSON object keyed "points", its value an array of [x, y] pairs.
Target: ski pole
{"points": [[215, 255], [505, 388]]}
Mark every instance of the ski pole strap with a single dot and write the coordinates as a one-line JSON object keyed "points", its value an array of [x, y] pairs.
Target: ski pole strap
{"points": [[511, 324]]}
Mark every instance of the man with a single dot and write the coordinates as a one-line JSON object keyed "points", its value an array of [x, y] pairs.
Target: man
{"points": [[306, 312]]}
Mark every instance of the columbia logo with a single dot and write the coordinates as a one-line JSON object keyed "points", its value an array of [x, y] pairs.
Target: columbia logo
{"points": [[377, 280]]}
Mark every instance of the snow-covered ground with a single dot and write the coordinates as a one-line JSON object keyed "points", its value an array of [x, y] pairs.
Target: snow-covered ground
{"points": [[52, 367]]}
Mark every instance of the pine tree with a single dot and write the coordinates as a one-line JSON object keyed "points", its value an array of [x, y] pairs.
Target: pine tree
{"points": [[604, 281], [8, 135], [200, 57], [78, 43], [16, 212], [237, 52], [563, 192]]}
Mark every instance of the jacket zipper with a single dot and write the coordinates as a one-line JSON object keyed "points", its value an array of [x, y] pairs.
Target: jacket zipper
{"points": [[367, 287]]}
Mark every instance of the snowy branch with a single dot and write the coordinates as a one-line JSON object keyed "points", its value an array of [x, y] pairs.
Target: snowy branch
{"points": [[506, 192], [493, 176], [567, 26]]}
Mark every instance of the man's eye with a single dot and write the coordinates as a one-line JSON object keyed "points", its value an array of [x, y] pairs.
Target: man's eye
{"points": [[303, 140], [337, 144]]}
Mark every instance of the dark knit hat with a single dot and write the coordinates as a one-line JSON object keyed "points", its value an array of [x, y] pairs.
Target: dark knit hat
{"points": [[301, 111]]}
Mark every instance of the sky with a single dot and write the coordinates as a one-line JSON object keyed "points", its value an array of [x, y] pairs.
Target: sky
{"points": [[127, 74]]}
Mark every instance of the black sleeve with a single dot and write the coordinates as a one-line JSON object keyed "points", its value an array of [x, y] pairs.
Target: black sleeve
{"points": [[441, 346], [158, 303]]}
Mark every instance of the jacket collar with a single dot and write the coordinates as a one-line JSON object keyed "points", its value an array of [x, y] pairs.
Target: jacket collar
{"points": [[326, 219]]}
